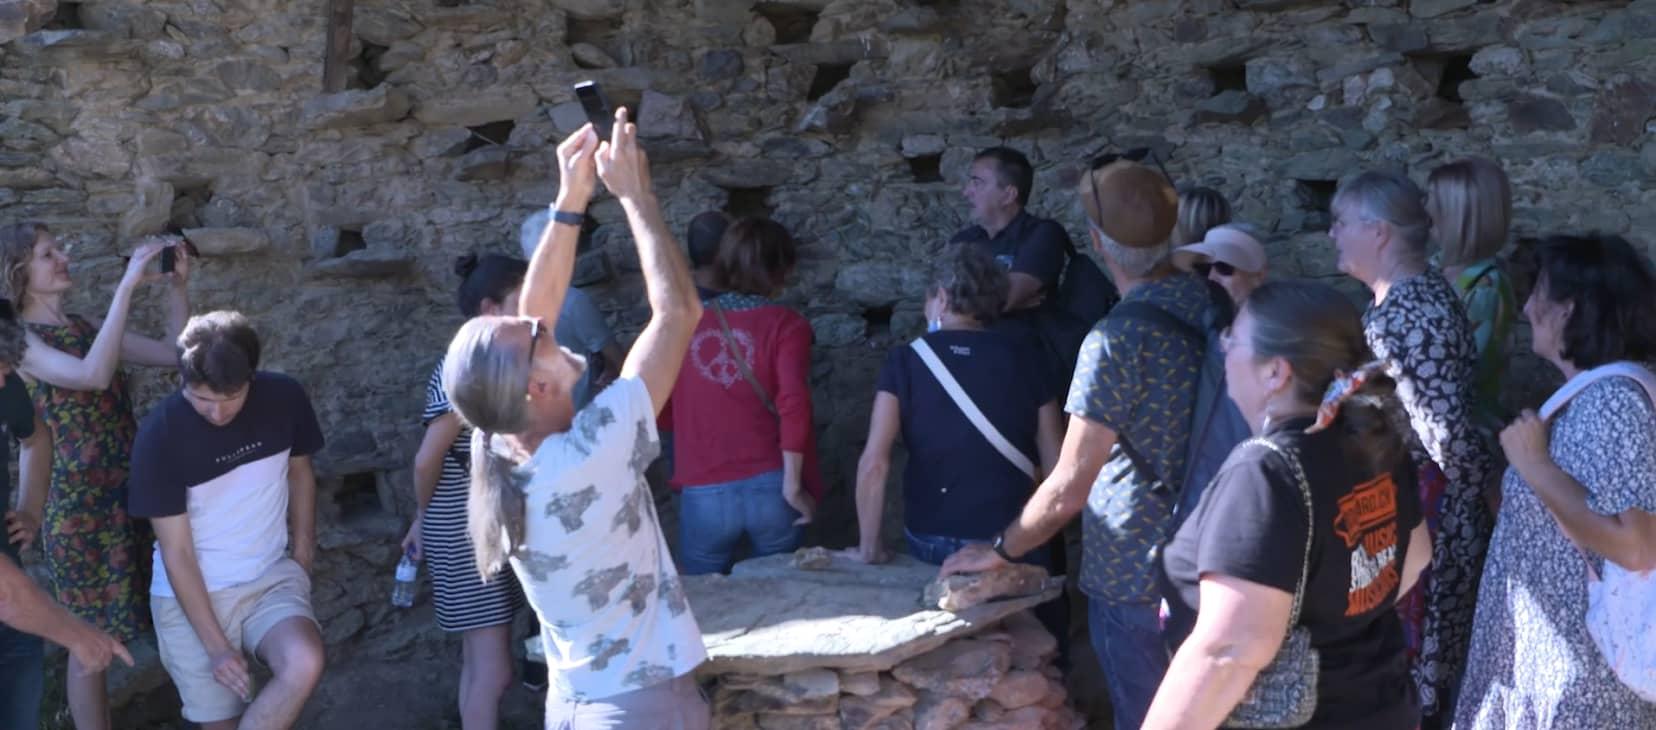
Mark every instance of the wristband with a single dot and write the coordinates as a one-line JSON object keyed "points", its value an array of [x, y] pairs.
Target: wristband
{"points": [[568, 218]]}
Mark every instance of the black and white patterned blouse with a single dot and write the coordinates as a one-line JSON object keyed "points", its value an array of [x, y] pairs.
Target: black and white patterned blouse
{"points": [[1420, 330], [1533, 664]]}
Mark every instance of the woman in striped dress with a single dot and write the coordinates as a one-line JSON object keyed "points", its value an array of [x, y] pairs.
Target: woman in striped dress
{"points": [[480, 611]]}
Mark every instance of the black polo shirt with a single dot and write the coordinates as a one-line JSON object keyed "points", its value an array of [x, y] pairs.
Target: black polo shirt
{"points": [[1027, 245]]}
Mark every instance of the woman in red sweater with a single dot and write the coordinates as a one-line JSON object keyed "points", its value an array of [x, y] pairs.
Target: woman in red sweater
{"points": [[741, 410]]}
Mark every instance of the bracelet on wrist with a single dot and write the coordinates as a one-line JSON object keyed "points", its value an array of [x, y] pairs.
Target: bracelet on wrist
{"points": [[567, 217]]}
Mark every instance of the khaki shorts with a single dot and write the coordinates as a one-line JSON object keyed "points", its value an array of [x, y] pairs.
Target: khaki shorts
{"points": [[246, 612]]}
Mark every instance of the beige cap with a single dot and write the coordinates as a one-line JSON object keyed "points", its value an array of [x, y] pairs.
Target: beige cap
{"points": [[1225, 244]]}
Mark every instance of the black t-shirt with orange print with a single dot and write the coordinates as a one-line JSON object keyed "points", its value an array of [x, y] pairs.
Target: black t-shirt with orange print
{"points": [[1251, 524]]}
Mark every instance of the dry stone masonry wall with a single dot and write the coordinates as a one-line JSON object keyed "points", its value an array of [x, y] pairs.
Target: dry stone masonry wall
{"points": [[334, 218]]}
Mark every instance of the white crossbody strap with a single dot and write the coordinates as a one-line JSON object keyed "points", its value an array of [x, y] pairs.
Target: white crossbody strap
{"points": [[964, 402]]}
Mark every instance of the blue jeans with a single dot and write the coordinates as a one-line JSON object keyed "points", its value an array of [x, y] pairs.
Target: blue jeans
{"points": [[22, 678], [1127, 639], [714, 518], [935, 549]]}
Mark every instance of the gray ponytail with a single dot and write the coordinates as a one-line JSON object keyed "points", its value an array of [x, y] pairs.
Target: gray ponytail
{"points": [[494, 506], [487, 382]]}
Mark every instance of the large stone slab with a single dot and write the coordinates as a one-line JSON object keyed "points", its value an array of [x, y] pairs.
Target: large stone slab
{"points": [[228, 241], [768, 618], [355, 108]]}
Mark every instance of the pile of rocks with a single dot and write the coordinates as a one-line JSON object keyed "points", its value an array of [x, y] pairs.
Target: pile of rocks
{"points": [[852, 646]]}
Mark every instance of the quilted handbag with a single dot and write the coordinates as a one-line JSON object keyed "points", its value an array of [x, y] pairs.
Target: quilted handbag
{"points": [[1285, 692]]}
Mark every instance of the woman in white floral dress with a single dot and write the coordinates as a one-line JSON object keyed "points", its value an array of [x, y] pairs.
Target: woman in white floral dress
{"points": [[1591, 470]]}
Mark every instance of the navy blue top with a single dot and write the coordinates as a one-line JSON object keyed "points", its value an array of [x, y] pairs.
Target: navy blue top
{"points": [[956, 484], [17, 422], [177, 449]]}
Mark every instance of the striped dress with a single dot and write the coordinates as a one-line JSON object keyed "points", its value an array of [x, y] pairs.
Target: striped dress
{"points": [[464, 602]]}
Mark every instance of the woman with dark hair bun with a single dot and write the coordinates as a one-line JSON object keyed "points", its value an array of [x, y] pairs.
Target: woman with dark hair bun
{"points": [[1580, 494], [1313, 526], [480, 611]]}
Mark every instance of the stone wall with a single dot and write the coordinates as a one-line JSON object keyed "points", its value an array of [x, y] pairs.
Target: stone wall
{"points": [[334, 219]]}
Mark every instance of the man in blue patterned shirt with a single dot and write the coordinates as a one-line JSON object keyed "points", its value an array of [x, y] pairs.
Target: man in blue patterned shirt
{"points": [[1130, 406]]}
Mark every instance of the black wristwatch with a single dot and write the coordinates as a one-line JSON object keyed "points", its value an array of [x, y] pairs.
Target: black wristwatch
{"points": [[568, 218], [1000, 548]]}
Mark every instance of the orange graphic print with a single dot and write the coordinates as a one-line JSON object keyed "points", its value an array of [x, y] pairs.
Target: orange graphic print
{"points": [[1367, 522]]}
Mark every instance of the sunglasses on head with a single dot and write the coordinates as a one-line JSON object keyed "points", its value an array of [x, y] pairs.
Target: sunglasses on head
{"points": [[1136, 154], [1224, 269]]}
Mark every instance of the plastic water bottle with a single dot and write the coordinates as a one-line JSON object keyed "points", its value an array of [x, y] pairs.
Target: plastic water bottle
{"points": [[402, 592]]}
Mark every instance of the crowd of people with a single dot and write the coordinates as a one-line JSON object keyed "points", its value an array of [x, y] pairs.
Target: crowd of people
{"points": [[1385, 544]]}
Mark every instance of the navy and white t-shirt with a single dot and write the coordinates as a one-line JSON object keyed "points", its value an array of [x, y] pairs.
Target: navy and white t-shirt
{"points": [[231, 479], [956, 484]]}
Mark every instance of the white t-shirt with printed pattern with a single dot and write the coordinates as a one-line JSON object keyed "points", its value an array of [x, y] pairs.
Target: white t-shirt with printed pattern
{"points": [[594, 564]]}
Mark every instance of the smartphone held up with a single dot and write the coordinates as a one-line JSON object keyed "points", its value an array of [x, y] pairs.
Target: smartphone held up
{"points": [[597, 108]]}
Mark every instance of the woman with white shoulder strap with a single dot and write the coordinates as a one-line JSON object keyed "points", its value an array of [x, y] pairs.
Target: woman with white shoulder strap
{"points": [[1578, 500], [978, 421]]}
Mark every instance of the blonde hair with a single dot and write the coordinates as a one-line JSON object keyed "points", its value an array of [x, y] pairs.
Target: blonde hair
{"points": [[1200, 209], [1470, 203], [487, 382], [17, 243]]}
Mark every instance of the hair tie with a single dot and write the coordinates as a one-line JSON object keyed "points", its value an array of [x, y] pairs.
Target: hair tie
{"points": [[1342, 389]]}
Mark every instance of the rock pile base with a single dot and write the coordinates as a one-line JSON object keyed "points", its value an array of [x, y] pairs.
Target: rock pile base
{"points": [[851, 646]]}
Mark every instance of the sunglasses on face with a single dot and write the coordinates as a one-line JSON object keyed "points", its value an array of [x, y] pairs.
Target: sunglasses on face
{"points": [[1224, 269], [534, 340]]}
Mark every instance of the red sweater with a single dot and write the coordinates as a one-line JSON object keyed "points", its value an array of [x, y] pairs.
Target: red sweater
{"points": [[721, 430]]}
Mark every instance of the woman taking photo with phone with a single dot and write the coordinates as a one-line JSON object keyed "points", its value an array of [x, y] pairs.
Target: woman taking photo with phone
{"points": [[97, 558]]}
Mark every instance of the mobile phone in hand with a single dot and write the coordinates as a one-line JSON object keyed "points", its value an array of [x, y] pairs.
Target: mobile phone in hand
{"points": [[169, 258], [597, 109]]}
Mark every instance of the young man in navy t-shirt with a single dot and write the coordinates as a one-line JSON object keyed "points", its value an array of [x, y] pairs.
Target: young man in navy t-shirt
{"points": [[222, 468]]}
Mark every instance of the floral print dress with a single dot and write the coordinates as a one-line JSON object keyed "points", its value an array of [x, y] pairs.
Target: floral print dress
{"points": [[97, 557], [1533, 664], [1420, 330]]}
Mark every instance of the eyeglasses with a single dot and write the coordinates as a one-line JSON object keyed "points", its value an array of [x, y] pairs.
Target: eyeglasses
{"points": [[1202, 268]]}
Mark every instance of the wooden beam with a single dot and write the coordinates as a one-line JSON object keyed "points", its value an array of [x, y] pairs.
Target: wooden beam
{"points": [[336, 64]]}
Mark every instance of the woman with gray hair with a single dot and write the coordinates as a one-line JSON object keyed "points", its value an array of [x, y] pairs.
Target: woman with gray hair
{"points": [[1416, 325], [558, 493], [958, 486]]}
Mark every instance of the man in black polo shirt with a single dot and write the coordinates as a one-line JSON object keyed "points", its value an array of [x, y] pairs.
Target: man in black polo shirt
{"points": [[1032, 249]]}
